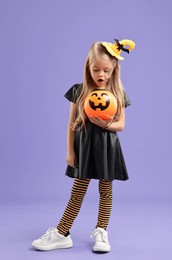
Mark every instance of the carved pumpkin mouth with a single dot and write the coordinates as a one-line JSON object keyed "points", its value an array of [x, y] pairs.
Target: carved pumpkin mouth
{"points": [[99, 106]]}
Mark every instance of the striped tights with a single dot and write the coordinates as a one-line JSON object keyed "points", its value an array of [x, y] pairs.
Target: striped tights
{"points": [[79, 189]]}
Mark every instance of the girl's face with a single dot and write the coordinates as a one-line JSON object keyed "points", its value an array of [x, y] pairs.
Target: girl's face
{"points": [[101, 71]]}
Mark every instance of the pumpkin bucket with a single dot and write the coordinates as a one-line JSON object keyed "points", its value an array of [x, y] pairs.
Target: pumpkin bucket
{"points": [[101, 103]]}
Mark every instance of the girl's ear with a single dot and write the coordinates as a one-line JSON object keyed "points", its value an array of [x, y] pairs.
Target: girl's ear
{"points": [[114, 65]]}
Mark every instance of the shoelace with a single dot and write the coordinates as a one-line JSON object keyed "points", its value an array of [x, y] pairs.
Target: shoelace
{"points": [[100, 236], [47, 234]]}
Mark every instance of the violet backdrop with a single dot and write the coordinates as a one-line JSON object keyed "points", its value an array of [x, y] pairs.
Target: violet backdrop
{"points": [[43, 47]]}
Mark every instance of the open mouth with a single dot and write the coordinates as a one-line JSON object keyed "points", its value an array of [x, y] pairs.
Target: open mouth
{"points": [[100, 80]]}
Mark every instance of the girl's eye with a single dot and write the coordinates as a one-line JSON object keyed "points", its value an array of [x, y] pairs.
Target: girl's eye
{"points": [[107, 71], [95, 70]]}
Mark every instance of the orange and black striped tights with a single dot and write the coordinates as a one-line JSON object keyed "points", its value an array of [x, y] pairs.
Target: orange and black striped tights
{"points": [[79, 189]]}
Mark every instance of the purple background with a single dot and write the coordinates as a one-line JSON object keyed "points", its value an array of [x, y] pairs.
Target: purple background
{"points": [[43, 48]]}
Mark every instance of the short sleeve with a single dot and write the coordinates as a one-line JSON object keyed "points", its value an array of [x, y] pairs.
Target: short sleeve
{"points": [[126, 100], [73, 93]]}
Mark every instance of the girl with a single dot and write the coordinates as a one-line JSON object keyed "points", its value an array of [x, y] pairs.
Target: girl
{"points": [[93, 147]]}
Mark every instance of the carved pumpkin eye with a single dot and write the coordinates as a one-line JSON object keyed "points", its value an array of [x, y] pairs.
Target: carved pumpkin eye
{"points": [[94, 94], [100, 103], [104, 94]]}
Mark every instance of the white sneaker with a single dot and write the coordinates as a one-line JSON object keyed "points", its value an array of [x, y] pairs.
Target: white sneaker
{"points": [[101, 240], [52, 240]]}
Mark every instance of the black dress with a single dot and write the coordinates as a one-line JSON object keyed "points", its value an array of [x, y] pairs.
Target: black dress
{"points": [[98, 151]]}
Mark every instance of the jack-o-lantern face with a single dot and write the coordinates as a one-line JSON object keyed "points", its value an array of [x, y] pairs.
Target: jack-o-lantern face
{"points": [[100, 103]]}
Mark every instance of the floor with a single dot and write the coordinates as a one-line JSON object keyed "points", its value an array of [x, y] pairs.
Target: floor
{"points": [[137, 231]]}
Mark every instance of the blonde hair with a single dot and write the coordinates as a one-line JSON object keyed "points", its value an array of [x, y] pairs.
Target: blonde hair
{"points": [[98, 50]]}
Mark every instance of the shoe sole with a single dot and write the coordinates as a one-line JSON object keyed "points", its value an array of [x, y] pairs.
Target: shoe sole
{"points": [[53, 247], [101, 250]]}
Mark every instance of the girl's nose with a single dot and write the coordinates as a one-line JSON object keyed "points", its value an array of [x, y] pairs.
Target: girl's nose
{"points": [[100, 73]]}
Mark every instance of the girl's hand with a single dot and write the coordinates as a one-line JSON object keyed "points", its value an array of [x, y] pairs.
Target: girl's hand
{"points": [[71, 159], [100, 122]]}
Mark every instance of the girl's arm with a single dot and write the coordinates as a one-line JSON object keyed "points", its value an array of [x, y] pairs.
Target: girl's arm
{"points": [[117, 125], [70, 157], [111, 124]]}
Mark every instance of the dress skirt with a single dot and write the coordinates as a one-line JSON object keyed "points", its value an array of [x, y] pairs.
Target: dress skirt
{"points": [[98, 153]]}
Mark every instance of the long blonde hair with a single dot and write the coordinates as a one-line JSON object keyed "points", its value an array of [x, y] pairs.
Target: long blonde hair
{"points": [[98, 50]]}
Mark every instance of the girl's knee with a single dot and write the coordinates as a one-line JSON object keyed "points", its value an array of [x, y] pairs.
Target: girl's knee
{"points": [[105, 188], [79, 188]]}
